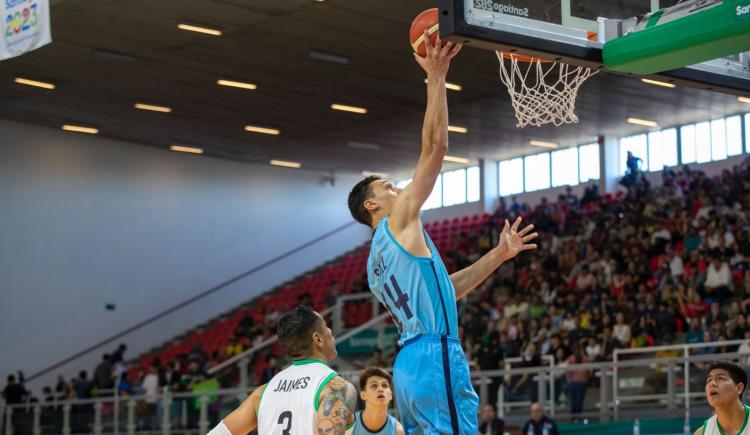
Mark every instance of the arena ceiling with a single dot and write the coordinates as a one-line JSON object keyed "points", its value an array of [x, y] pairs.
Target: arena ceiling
{"points": [[303, 56]]}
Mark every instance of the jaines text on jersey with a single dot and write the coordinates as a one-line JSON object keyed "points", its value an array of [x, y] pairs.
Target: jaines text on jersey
{"points": [[287, 385]]}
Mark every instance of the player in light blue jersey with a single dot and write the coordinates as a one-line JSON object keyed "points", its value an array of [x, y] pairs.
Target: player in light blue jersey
{"points": [[376, 390], [434, 394]]}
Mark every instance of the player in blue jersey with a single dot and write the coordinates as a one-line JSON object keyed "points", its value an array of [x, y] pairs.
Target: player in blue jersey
{"points": [[434, 394]]}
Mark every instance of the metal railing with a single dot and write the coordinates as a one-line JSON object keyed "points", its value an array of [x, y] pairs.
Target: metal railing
{"points": [[634, 385], [197, 412], [685, 350], [166, 413]]}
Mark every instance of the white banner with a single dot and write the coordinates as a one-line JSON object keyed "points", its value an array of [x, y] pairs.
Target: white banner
{"points": [[25, 26]]}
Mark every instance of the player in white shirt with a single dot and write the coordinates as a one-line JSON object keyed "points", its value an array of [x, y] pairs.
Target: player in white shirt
{"points": [[308, 397], [725, 384]]}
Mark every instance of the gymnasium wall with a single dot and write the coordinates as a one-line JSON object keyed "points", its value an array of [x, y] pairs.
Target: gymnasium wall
{"points": [[88, 221]]}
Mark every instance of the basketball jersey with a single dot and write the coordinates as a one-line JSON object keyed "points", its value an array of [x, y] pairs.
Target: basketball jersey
{"points": [[290, 400], [711, 426], [390, 427], [417, 291]]}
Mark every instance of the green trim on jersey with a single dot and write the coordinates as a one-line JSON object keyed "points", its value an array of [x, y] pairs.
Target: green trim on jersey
{"points": [[744, 423], [301, 362], [705, 425], [259, 400], [320, 389]]}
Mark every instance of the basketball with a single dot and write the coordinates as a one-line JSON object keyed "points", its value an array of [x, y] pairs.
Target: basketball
{"points": [[426, 20]]}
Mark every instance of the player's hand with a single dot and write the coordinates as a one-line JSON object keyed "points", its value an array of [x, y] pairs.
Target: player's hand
{"points": [[512, 242], [438, 58]]}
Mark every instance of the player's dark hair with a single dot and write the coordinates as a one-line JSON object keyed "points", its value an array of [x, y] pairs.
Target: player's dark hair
{"points": [[736, 373], [374, 371], [295, 330], [357, 197]]}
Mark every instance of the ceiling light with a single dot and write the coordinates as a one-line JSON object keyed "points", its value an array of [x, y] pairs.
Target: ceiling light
{"points": [[240, 85], [346, 108], [286, 164], [376, 174], [451, 86], [457, 129], [113, 55], [184, 149], [152, 108], [28, 82], [539, 143], [328, 57], [658, 83], [262, 130], [643, 122], [456, 159], [363, 145], [743, 99], [199, 29], [80, 129]]}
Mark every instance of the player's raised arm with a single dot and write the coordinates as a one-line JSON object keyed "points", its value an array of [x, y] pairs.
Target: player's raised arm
{"points": [[434, 133], [335, 413], [243, 419], [512, 242]]}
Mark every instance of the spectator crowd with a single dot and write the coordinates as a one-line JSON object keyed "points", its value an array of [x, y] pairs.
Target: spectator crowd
{"points": [[655, 265]]}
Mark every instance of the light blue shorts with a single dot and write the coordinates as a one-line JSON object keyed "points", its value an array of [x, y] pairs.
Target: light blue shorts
{"points": [[433, 388]]}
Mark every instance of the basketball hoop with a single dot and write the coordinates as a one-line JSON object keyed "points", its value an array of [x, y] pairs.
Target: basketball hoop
{"points": [[542, 91]]}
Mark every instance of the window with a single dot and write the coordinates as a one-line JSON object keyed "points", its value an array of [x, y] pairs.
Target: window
{"points": [[403, 183], [638, 145], [536, 172], [565, 167], [734, 135], [718, 140], [451, 188], [747, 133], [434, 200], [511, 177], [696, 143], [454, 187], [662, 149], [588, 162], [687, 135], [703, 142], [472, 184]]}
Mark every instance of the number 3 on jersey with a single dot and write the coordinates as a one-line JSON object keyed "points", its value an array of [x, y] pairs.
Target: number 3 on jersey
{"points": [[285, 419], [400, 302]]}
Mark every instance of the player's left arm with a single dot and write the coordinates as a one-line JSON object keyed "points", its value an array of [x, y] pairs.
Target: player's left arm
{"points": [[338, 401], [243, 419], [511, 243]]}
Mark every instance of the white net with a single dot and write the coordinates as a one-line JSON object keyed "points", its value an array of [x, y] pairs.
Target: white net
{"points": [[542, 92]]}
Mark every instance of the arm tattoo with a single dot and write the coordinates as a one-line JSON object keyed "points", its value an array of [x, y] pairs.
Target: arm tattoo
{"points": [[338, 407], [328, 426], [342, 392]]}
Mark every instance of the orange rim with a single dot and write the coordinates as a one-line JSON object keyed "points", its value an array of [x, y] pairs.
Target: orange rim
{"points": [[522, 58]]}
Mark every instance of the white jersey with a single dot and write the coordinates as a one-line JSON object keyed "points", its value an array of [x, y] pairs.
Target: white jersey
{"points": [[290, 400], [711, 426]]}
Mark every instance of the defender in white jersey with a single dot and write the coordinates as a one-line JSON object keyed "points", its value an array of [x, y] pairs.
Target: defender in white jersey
{"points": [[725, 384], [308, 397]]}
